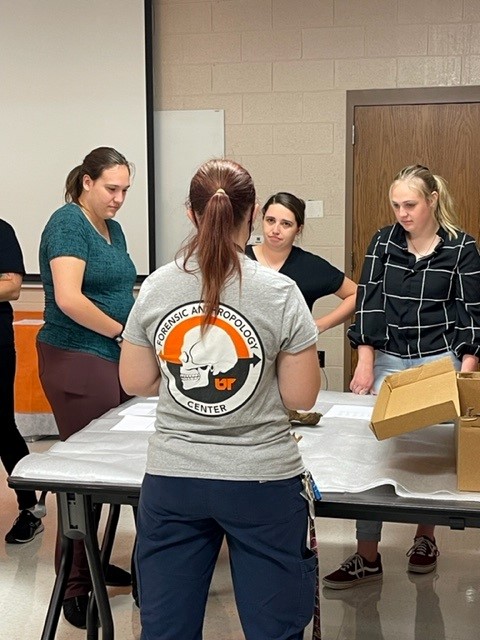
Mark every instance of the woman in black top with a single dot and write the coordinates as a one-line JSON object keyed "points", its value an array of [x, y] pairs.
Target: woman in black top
{"points": [[418, 300], [12, 445], [283, 221]]}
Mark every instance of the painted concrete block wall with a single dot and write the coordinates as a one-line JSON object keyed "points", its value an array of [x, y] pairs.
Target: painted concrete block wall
{"points": [[280, 69]]}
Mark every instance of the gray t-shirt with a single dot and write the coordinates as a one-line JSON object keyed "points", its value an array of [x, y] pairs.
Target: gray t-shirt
{"points": [[220, 414]]}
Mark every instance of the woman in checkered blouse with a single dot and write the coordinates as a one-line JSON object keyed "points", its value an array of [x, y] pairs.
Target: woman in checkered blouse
{"points": [[418, 300]]}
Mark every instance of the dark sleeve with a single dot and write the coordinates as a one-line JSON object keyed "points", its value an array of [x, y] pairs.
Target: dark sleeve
{"points": [[467, 296], [370, 326], [332, 278], [11, 258]]}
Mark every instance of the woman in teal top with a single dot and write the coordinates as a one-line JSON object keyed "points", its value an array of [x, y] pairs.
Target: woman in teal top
{"points": [[88, 278]]}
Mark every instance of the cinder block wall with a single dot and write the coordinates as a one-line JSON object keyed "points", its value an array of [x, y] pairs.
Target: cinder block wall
{"points": [[280, 70]]}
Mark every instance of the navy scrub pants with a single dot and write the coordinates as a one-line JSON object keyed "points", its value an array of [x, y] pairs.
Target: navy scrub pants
{"points": [[181, 525]]}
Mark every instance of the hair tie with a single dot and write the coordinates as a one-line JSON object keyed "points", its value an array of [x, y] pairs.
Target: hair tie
{"points": [[220, 191]]}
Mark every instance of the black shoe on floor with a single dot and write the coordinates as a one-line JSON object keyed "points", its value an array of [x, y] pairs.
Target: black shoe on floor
{"points": [[116, 577], [75, 611], [25, 528]]}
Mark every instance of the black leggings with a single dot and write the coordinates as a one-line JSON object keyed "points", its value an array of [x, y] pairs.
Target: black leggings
{"points": [[12, 446]]}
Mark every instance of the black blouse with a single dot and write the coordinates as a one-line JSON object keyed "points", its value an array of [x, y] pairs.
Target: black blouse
{"points": [[315, 277], [415, 308]]}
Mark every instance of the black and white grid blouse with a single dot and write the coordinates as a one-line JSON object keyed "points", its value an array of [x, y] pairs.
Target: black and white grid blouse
{"points": [[415, 308]]}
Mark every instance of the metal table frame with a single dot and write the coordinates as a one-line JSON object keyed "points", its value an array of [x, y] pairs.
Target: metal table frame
{"points": [[75, 504], [76, 517], [383, 504]]}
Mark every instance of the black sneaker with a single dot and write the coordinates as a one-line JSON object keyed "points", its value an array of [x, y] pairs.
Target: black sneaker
{"points": [[75, 611], [116, 577], [355, 570], [25, 528]]}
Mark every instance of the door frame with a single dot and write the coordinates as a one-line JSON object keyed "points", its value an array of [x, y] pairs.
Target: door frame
{"points": [[385, 97]]}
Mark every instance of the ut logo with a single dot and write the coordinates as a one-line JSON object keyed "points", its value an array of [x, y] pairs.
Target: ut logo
{"points": [[224, 384]]}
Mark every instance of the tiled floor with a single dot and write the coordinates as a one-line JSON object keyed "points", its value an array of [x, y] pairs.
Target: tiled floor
{"points": [[443, 606]]}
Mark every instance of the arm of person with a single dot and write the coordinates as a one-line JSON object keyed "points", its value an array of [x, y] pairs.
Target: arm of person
{"points": [[10, 286], [138, 370], [299, 378], [363, 378], [370, 325], [344, 311], [467, 286], [67, 274]]}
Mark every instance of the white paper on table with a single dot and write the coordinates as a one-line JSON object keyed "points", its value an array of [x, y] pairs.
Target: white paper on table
{"points": [[349, 411], [29, 321], [139, 409], [135, 423]]}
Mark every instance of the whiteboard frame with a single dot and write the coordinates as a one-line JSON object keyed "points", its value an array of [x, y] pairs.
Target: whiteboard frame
{"points": [[183, 140]]}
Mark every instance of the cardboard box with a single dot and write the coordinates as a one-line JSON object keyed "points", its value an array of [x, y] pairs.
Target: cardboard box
{"points": [[427, 395], [468, 433]]}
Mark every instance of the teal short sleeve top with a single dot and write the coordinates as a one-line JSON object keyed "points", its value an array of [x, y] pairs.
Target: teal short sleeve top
{"points": [[108, 280]]}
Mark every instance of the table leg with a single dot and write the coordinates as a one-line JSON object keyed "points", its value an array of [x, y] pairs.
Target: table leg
{"points": [[97, 574], [105, 554], [55, 605]]}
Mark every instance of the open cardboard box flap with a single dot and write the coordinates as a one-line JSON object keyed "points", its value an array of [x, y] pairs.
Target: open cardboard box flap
{"points": [[430, 394], [416, 398]]}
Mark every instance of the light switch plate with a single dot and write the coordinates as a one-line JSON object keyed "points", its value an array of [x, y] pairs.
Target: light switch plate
{"points": [[314, 209]]}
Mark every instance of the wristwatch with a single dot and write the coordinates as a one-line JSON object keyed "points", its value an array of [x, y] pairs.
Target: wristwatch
{"points": [[118, 339]]}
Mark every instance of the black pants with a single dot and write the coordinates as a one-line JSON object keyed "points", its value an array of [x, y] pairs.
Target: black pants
{"points": [[12, 446]]}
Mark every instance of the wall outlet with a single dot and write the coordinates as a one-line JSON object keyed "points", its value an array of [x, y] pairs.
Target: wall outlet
{"points": [[256, 239], [321, 359]]}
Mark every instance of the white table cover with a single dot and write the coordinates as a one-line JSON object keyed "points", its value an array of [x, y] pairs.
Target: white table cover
{"points": [[342, 454]]}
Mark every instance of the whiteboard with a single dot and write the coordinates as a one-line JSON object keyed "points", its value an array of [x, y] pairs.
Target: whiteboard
{"points": [[72, 78], [183, 140]]}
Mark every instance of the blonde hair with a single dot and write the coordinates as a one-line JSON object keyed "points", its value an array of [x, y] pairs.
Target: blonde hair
{"points": [[423, 181]]}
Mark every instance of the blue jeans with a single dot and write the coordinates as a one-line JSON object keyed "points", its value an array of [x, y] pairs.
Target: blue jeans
{"points": [[181, 525], [386, 364]]}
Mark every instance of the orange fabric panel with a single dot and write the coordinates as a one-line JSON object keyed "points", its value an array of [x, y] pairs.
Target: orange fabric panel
{"points": [[29, 396]]}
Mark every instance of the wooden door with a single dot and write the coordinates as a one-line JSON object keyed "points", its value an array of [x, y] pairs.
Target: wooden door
{"points": [[444, 137]]}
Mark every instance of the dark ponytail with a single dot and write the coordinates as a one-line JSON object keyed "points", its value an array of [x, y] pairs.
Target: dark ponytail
{"points": [[93, 165], [221, 195]]}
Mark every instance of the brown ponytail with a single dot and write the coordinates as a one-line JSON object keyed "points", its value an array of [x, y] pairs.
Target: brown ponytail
{"points": [[221, 195], [93, 165]]}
